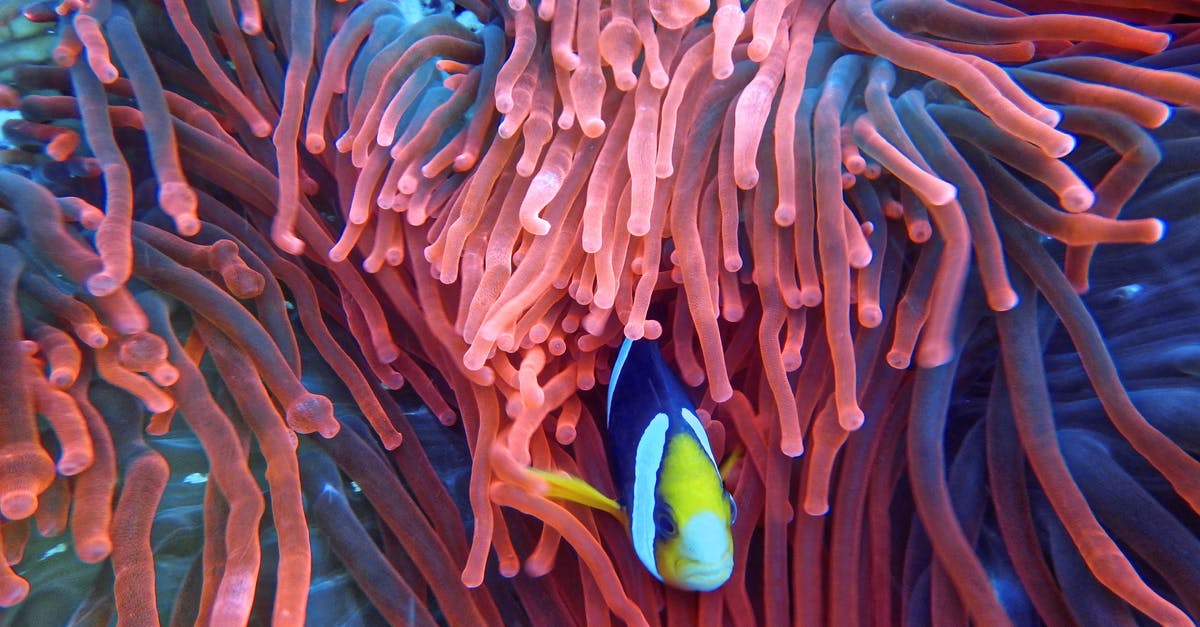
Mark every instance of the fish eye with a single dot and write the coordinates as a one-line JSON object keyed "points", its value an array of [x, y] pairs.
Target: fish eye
{"points": [[664, 522]]}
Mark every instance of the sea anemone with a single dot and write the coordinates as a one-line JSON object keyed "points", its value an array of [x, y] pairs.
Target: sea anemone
{"points": [[861, 231]]}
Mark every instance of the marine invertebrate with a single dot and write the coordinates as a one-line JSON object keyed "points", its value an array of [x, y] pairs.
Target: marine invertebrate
{"points": [[733, 195]]}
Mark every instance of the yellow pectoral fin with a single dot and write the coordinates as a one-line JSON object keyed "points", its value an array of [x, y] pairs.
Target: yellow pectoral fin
{"points": [[576, 490], [731, 460]]}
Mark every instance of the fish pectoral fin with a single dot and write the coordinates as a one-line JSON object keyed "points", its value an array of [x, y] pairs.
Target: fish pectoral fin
{"points": [[731, 459], [571, 488]]}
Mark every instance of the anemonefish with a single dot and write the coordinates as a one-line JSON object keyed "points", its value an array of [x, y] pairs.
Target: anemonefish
{"points": [[671, 492], [671, 489]]}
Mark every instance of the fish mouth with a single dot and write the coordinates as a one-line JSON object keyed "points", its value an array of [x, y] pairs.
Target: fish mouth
{"points": [[704, 576]]}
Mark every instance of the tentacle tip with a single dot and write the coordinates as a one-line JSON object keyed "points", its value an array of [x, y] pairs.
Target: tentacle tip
{"points": [[536, 226], [310, 412], [899, 360], [759, 48], [260, 128], [942, 195], [792, 447], [870, 316], [392, 439], [187, 224], [345, 142], [1159, 117], [314, 143], [13, 592], [638, 227], [337, 254], [504, 101], [509, 568], [537, 569], [746, 178], [159, 404], [74, 463], [472, 577], [288, 242], [245, 285], [388, 352], [1049, 117], [720, 391], [1060, 148], [93, 550], [1077, 198], [473, 362], [164, 374], [1159, 230], [851, 419], [566, 60], [18, 504], [1158, 42], [107, 73], [462, 162], [593, 127], [251, 25], [103, 284], [816, 507], [1003, 300], [525, 167]]}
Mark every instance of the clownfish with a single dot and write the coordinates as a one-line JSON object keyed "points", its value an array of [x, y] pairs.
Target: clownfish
{"points": [[671, 488], [671, 491]]}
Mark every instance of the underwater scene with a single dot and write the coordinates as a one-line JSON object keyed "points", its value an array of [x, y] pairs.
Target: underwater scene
{"points": [[592, 312]]}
